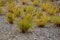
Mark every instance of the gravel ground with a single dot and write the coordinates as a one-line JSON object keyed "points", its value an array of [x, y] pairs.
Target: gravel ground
{"points": [[11, 32]]}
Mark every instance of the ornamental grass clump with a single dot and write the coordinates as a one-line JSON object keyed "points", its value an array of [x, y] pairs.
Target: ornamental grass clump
{"points": [[28, 16], [38, 15], [29, 9], [56, 20], [35, 2], [17, 11], [13, 8], [10, 17], [49, 8], [24, 25], [42, 20]]}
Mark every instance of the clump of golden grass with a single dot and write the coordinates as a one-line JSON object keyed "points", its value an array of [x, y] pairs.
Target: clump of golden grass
{"points": [[56, 20], [25, 23], [49, 8], [10, 17], [35, 2], [42, 20]]}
